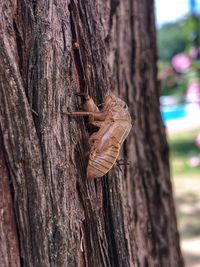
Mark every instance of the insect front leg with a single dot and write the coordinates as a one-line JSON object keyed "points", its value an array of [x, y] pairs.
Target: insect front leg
{"points": [[96, 117], [88, 103], [122, 162], [96, 123], [90, 106]]}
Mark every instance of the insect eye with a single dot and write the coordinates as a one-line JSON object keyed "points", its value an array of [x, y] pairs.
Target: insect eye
{"points": [[124, 106]]}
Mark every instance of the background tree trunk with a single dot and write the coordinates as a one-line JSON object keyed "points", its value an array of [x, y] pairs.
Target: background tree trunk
{"points": [[49, 51]]}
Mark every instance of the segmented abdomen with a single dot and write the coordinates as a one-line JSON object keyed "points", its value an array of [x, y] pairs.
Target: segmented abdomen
{"points": [[101, 163]]}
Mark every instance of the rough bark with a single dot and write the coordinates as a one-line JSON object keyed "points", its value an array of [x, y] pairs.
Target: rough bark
{"points": [[9, 247], [49, 51]]}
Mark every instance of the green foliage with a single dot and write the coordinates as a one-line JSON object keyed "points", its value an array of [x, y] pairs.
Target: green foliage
{"points": [[191, 31], [193, 74], [170, 41], [172, 83], [176, 37], [182, 148]]}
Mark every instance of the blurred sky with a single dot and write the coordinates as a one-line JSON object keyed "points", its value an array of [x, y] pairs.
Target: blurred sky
{"points": [[171, 10]]}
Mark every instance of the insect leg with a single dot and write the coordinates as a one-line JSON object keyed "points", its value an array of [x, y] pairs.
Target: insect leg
{"points": [[88, 103], [95, 116], [122, 162], [78, 113], [96, 123]]}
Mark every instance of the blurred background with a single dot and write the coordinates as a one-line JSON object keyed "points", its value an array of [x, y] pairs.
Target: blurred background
{"points": [[178, 42]]}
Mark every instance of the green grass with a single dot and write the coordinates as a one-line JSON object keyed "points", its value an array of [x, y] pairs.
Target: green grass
{"points": [[186, 181], [182, 149], [187, 201]]}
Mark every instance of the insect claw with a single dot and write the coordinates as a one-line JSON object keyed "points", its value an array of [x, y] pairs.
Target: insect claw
{"points": [[122, 162], [66, 113], [119, 167]]}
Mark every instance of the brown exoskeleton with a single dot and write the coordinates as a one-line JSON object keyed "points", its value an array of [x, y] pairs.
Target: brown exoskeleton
{"points": [[114, 122]]}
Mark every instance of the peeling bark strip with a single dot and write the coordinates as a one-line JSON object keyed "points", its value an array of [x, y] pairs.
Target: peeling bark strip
{"points": [[124, 219]]}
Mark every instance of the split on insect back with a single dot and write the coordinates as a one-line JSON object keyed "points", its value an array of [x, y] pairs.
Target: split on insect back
{"points": [[114, 123]]}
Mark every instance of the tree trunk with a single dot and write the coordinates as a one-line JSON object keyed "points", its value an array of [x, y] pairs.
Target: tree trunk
{"points": [[49, 51]]}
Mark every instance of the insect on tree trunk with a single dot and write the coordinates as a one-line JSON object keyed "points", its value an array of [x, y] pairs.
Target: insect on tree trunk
{"points": [[50, 50]]}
